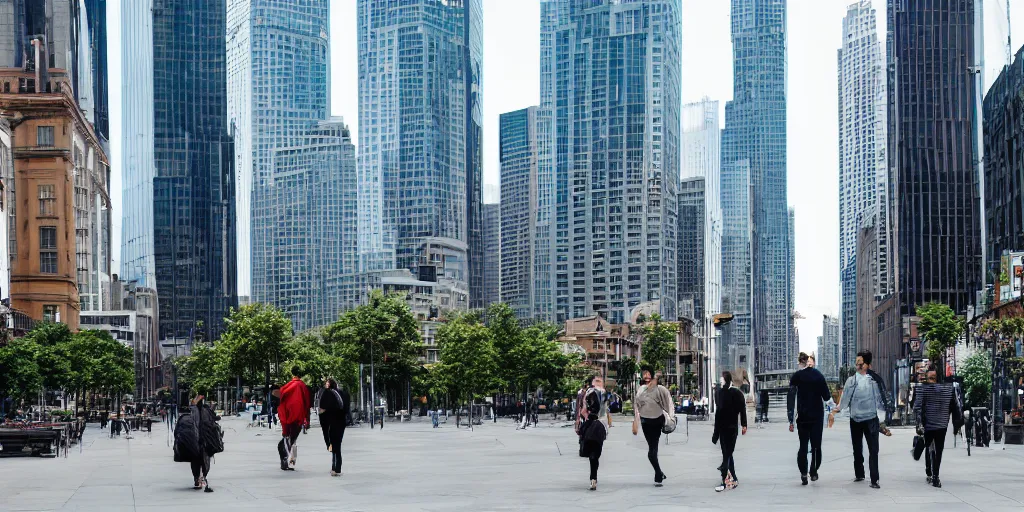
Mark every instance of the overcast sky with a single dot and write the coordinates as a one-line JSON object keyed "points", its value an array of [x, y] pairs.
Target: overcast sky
{"points": [[511, 81]]}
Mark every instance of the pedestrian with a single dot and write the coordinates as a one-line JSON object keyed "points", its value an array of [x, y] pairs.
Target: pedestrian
{"points": [[865, 396], [808, 393], [651, 409], [731, 404], [580, 405], [593, 432], [293, 413], [197, 438], [934, 404], [333, 406]]}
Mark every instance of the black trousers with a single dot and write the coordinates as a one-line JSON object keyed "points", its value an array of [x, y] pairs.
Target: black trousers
{"points": [[868, 431], [593, 449], [810, 433], [727, 441], [934, 442], [652, 433], [201, 468], [334, 433], [290, 434]]}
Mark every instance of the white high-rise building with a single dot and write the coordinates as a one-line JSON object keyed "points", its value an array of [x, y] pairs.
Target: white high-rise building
{"points": [[701, 158], [863, 169]]}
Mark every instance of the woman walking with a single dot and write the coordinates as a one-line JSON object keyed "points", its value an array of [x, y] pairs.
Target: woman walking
{"points": [[731, 405], [333, 407], [197, 437], [593, 432], [652, 405]]}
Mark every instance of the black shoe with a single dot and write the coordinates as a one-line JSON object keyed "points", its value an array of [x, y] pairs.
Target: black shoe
{"points": [[285, 466], [858, 479], [814, 477], [928, 479], [936, 483], [874, 485], [208, 489], [803, 479]]}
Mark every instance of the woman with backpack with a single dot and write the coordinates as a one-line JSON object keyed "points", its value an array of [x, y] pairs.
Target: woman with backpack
{"points": [[592, 431], [197, 437], [333, 406]]}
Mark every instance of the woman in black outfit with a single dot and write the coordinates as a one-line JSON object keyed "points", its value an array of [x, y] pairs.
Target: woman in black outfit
{"points": [[333, 406], [731, 404], [593, 432]]}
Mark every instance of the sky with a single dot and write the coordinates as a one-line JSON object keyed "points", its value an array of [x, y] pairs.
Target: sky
{"points": [[511, 81]]}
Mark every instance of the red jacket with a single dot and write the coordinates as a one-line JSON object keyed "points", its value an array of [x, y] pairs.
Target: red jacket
{"points": [[295, 403]]}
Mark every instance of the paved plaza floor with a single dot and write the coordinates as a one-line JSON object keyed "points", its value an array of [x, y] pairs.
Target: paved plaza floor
{"points": [[412, 467]]}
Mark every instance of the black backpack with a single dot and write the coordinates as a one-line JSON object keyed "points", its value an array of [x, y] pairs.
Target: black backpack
{"points": [[187, 447]]}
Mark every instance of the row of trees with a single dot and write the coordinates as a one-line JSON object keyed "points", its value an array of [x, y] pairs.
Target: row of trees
{"points": [[258, 345], [52, 357]]}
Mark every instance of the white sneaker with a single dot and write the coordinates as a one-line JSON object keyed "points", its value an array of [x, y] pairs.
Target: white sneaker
{"points": [[720, 488], [295, 454]]}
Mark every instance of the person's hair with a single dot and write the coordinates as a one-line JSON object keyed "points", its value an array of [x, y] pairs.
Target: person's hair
{"points": [[333, 385], [727, 376], [296, 371], [647, 368], [811, 358], [803, 357], [589, 382], [595, 377], [866, 355]]}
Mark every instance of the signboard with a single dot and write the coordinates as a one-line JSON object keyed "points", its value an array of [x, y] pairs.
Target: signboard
{"points": [[1011, 278]]}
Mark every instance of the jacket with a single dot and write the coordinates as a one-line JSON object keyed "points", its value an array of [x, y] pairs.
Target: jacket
{"points": [[883, 402], [295, 403], [335, 404], [934, 404], [731, 404], [808, 393]]}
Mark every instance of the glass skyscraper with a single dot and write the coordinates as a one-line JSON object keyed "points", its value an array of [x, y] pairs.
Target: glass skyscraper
{"points": [[936, 210], [491, 264], [692, 242], [519, 160], [610, 101], [755, 248], [420, 118], [184, 182], [295, 169], [863, 168]]}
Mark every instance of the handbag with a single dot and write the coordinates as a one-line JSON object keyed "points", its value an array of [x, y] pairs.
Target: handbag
{"points": [[918, 446], [670, 423]]}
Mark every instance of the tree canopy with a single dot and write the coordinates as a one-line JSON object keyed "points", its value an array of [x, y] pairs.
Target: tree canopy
{"points": [[940, 327]]}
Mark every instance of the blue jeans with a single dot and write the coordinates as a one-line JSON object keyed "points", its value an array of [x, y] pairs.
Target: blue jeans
{"points": [[433, 418]]}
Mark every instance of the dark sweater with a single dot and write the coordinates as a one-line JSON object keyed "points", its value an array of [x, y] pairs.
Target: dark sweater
{"points": [[809, 390], [335, 404], [934, 404], [730, 405]]}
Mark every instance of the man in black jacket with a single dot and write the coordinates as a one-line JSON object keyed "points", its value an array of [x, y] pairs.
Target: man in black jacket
{"points": [[808, 392], [731, 404]]}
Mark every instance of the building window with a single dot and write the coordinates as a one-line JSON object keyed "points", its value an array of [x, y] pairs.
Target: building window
{"points": [[44, 136], [48, 249], [51, 313], [47, 200]]}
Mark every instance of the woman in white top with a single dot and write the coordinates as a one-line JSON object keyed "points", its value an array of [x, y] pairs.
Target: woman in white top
{"points": [[653, 402]]}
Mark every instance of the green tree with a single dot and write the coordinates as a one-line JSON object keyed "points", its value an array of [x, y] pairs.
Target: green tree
{"points": [[940, 327], [205, 368], [386, 333], [113, 361], [316, 360], [508, 338], [977, 374], [20, 376], [253, 339], [659, 342], [468, 360]]}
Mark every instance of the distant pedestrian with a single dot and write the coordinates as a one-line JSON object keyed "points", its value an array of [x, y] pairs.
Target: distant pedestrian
{"points": [[731, 405], [868, 402], [333, 406], [808, 393], [293, 413], [653, 402], [593, 432], [580, 404], [934, 404]]}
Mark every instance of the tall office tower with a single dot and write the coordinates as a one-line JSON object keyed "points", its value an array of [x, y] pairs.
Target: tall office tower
{"points": [[188, 175], [95, 39], [794, 342], [420, 124], [519, 160], [702, 152], [491, 265], [295, 168], [863, 167], [828, 359], [610, 103], [690, 255], [1004, 165], [936, 207], [754, 152]]}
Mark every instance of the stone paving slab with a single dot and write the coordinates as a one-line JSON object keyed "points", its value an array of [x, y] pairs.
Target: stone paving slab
{"points": [[413, 467]]}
